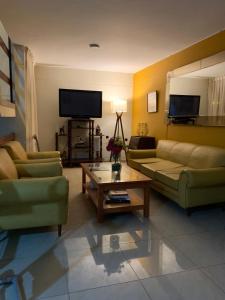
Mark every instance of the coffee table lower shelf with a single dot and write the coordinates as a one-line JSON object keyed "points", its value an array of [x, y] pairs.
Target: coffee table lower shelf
{"points": [[136, 202]]}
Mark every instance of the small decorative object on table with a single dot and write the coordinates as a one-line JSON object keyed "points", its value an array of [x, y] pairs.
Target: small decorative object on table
{"points": [[61, 130], [97, 130], [115, 145], [142, 129]]}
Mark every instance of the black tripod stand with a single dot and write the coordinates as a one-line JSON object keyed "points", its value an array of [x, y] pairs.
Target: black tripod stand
{"points": [[118, 126]]}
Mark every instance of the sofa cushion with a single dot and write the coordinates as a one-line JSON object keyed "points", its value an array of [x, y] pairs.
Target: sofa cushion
{"points": [[170, 177], [150, 169], [207, 157], [7, 167], [136, 163], [15, 150], [164, 147], [181, 152]]}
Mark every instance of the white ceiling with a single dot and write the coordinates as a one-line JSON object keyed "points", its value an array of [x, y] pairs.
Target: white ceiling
{"points": [[132, 33]]}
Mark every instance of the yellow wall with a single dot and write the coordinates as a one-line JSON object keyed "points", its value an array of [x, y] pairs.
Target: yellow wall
{"points": [[154, 78]]}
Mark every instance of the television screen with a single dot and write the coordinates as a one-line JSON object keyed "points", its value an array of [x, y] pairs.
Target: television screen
{"points": [[80, 103], [184, 106]]}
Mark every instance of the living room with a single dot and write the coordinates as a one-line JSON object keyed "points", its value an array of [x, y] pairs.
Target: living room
{"points": [[72, 247]]}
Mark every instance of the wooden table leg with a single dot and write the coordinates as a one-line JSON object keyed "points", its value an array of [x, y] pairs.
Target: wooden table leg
{"points": [[100, 199], [146, 201], [83, 181]]}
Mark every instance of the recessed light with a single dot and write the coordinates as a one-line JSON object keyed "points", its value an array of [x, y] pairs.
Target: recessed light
{"points": [[94, 45]]}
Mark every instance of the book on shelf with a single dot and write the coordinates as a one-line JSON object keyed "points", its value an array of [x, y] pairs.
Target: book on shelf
{"points": [[117, 197], [109, 200], [114, 193]]}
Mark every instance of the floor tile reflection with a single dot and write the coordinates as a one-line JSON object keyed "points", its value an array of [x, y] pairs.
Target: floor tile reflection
{"points": [[188, 285], [167, 257], [155, 257], [125, 291]]}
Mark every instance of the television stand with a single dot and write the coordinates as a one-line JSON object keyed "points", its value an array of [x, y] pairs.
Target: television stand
{"points": [[183, 120], [80, 142]]}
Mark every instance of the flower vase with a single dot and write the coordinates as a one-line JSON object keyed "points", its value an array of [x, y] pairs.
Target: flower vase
{"points": [[116, 166]]}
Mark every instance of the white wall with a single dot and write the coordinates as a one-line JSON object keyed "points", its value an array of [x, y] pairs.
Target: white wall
{"points": [[192, 86], [50, 78]]}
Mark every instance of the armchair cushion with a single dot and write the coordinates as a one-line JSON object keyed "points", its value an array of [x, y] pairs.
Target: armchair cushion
{"points": [[15, 150], [19, 155], [43, 154], [37, 161], [31, 191], [7, 167], [39, 170]]}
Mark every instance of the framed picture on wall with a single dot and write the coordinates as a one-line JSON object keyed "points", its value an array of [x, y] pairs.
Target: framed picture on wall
{"points": [[152, 102]]}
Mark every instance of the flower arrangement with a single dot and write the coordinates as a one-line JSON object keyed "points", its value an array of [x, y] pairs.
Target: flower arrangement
{"points": [[115, 145]]}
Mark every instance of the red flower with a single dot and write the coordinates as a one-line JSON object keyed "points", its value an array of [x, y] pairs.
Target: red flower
{"points": [[115, 146]]}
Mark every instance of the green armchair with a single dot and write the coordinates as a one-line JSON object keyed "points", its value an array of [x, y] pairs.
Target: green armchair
{"points": [[31, 202], [20, 156]]}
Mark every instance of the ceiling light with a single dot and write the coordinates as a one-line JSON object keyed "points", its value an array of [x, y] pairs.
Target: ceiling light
{"points": [[94, 45]]}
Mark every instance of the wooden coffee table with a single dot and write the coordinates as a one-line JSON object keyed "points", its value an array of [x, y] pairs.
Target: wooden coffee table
{"points": [[103, 180]]}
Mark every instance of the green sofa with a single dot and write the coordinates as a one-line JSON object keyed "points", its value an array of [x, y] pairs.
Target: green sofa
{"points": [[20, 156], [192, 175], [32, 195]]}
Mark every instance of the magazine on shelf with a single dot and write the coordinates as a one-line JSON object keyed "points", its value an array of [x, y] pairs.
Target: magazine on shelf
{"points": [[116, 193], [121, 199]]}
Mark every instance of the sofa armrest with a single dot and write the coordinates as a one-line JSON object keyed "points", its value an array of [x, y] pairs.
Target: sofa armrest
{"points": [[39, 170], [203, 177], [43, 154], [132, 154], [31, 191]]}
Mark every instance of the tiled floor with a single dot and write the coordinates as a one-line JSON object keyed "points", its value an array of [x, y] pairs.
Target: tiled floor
{"points": [[168, 257]]}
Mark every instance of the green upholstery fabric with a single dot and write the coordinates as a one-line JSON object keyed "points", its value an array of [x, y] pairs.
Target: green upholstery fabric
{"points": [[207, 157], [136, 163], [37, 161], [31, 191], [150, 169], [190, 174], [15, 150], [181, 153], [39, 170], [31, 202], [43, 154], [7, 167], [132, 154], [164, 148], [171, 177], [17, 153], [204, 177]]}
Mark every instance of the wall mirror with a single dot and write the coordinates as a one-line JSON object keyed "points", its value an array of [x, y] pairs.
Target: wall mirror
{"points": [[7, 107], [195, 93]]}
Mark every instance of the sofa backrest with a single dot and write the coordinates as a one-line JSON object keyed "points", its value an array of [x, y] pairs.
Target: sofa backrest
{"points": [[15, 150], [7, 166], [164, 147], [181, 153], [207, 157], [192, 155]]}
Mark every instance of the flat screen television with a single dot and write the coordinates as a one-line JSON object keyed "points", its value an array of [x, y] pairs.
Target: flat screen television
{"points": [[80, 103], [186, 106]]}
